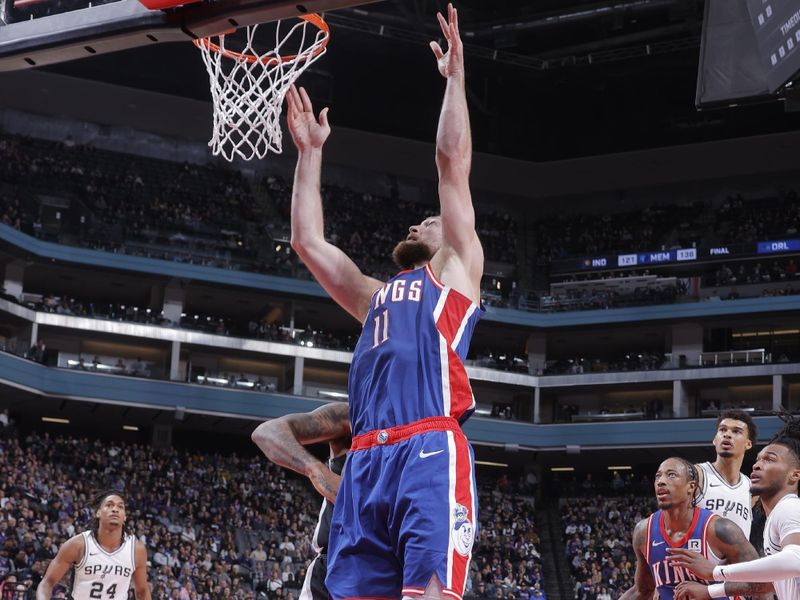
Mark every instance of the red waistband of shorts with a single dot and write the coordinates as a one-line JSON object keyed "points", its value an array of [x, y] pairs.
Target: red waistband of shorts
{"points": [[392, 435]]}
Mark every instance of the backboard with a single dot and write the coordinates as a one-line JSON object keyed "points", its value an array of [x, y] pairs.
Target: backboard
{"points": [[41, 32]]}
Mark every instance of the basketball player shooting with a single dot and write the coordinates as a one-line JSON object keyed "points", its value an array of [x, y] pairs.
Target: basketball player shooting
{"points": [[105, 559], [404, 519]]}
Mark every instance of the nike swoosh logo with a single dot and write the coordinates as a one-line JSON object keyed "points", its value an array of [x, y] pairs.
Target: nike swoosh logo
{"points": [[657, 543], [93, 553], [714, 484], [423, 454]]}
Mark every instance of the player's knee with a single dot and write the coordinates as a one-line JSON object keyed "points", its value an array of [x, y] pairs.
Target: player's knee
{"points": [[433, 591]]}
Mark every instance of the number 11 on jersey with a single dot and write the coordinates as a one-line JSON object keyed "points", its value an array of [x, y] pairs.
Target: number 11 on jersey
{"points": [[381, 331]]}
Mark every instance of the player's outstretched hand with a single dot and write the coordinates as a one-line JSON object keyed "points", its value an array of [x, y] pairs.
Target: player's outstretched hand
{"points": [[694, 561], [691, 590], [451, 62], [306, 131]]}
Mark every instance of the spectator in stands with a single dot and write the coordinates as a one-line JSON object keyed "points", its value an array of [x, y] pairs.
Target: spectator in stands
{"points": [[210, 519], [599, 549], [37, 351]]}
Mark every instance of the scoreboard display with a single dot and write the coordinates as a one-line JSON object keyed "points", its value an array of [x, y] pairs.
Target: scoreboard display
{"points": [[777, 28], [749, 51]]}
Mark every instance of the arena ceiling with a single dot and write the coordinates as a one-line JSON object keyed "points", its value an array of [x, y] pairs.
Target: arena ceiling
{"points": [[547, 79]]}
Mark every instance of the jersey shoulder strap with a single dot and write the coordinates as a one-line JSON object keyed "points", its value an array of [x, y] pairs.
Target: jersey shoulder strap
{"points": [[87, 540]]}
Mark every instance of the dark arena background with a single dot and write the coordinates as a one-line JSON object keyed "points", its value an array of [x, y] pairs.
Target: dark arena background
{"points": [[638, 208]]}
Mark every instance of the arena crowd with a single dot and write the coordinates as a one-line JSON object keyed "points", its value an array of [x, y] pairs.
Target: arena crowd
{"points": [[215, 525]]}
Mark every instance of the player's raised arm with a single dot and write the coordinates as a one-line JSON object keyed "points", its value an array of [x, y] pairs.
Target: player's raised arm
{"points": [[643, 584], [334, 270], [454, 155], [70, 554], [281, 440]]}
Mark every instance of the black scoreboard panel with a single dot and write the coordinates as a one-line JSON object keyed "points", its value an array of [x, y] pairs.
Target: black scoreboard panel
{"points": [[749, 50], [731, 69], [777, 28]]}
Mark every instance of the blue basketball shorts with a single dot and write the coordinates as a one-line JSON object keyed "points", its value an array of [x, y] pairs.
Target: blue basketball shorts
{"points": [[406, 511]]}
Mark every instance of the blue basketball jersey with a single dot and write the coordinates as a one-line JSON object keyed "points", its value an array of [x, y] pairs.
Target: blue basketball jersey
{"points": [[408, 363], [665, 576]]}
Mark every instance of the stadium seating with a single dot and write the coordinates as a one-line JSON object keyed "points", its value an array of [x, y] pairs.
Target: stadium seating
{"points": [[215, 525]]}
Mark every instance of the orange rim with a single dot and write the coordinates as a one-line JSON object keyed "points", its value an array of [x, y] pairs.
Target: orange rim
{"points": [[312, 18]]}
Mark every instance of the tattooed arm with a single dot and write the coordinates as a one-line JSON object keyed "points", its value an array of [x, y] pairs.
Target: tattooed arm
{"points": [[736, 548], [282, 440], [728, 542], [643, 584]]}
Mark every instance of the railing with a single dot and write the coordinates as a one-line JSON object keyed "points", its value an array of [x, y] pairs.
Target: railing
{"points": [[733, 357]]}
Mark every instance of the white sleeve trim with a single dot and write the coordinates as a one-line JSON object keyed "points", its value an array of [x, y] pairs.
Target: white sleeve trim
{"points": [[783, 565]]}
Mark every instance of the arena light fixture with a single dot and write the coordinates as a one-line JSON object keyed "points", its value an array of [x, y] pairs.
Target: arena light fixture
{"points": [[489, 463], [620, 468], [562, 469], [130, 428], [745, 334], [55, 420], [332, 394]]}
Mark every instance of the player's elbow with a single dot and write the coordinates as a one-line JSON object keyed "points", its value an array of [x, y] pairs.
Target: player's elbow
{"points": [[454, 159], [259, 435], [262, 437], [304, 244], [297, 243]]}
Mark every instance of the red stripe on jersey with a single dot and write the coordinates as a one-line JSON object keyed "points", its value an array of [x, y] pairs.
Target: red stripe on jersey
{"points": [[455, 310], [464, 497], [647, 546], [681, 542], [704, 538], [433, 277]]}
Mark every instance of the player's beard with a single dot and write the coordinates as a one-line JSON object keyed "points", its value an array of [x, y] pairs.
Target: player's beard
{"points": [[764, 488], [408, 254]]}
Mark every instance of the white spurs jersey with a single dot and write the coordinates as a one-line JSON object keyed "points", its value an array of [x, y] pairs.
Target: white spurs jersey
{"points": [[730, 501], [783, 521], [104, 575]]}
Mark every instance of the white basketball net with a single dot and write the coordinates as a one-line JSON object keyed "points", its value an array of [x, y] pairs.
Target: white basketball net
{"points": [[248, 87]]}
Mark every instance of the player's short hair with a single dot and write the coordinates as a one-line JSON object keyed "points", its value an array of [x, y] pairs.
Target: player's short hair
{"points": [[744, 417]]}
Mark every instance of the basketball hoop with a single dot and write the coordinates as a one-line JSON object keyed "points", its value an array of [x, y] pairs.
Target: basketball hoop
{"points": [[248, 86]]}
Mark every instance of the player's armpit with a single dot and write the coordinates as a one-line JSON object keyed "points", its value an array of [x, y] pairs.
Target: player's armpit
{"points": [[339, 276]]}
